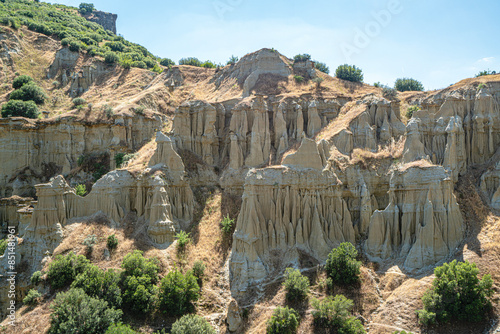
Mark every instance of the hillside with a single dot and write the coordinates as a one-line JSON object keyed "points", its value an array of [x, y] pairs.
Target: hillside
{"points": [[297, 166]]}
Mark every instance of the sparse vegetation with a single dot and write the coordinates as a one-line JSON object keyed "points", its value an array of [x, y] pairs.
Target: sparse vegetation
{"points": [[78, 101], [296, 285], [182, 240], [36, 278], [76, 312], [192, 324], [408, 84], [81, 190], [334, 313], [90, 241], [298, 78], [178, 292], [233, 60], [342, 266], [32, 298], [199, 270], [112, 242], [411, 110], [485, 72], [349, 73], [284, 320], [318, 81], [389, 93], [457, 293], [321, 67], [227, 225], [120, 329], [3, 246]]}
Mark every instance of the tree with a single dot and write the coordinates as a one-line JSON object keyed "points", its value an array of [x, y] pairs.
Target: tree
{"points": [[296, 285], [485, 72], [18, 108], [76, 312], [64, 269], [29, 92], [301, 58], [177, 292], [408, 84], [321, 67], [167, 62], [190, 61], [192, 324], [21, 81], [86, 8], [349, 73], [233, 60], [335, 313], [341, 265], [284, 320], [457, 293]]}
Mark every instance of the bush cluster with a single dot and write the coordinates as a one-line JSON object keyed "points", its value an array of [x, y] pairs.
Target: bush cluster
{"points": [[342, 266], [485, 72], [227, 225], [408, 84], [177, 292], [296, 285], [284, 320], [64, 269], [349, 73], [301, 58], [321, 67], [24, 99], [457, 293], [192, 324], [32, 297], [196, 62], [75, 31], [334, 313]]}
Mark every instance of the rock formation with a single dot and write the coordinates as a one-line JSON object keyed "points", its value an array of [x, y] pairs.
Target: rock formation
{"points": [[106, 20]]}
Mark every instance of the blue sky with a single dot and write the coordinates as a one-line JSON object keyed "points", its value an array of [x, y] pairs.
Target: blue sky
{"points": [[438, 42]]}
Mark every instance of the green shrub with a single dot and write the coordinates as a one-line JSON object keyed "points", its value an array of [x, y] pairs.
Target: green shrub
{"points": [[296, 285], [408, 84], [81, 190], [32, 297], [322, 67], [100, 284], [86, 8], [120, 329], [135, 264], [457, 293], [36, 278], [21, 81], [192, 324], [284, 320], [349, 73], [485, 72], [3, 246], [298, 78], [75, 45], [301, 58], [481, 86], [411, 110], [18, 108], [341, 265], [149, 62], [318, 81], [139, 64], [208, 64], [402, 332], [190, 61], [182, 240], [64, 269], [199, 271], [110, 57], [90, 241], [138, 281], [76, 312], [167, 62], [29, 92], [178, 292], [157, 69], [112, 242], [233, 60], [115, 46], [65, 41], [334, 313], [78, 101], [227, 225]]}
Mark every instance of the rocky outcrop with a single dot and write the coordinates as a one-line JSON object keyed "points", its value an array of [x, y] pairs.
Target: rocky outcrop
{"points": [[286, 211], [48, 148], [307, 156], [422, 224], [106, 20], [490, 186]]}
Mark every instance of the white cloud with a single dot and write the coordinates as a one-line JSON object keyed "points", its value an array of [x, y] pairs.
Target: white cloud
{"points": [[486, 60]]}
